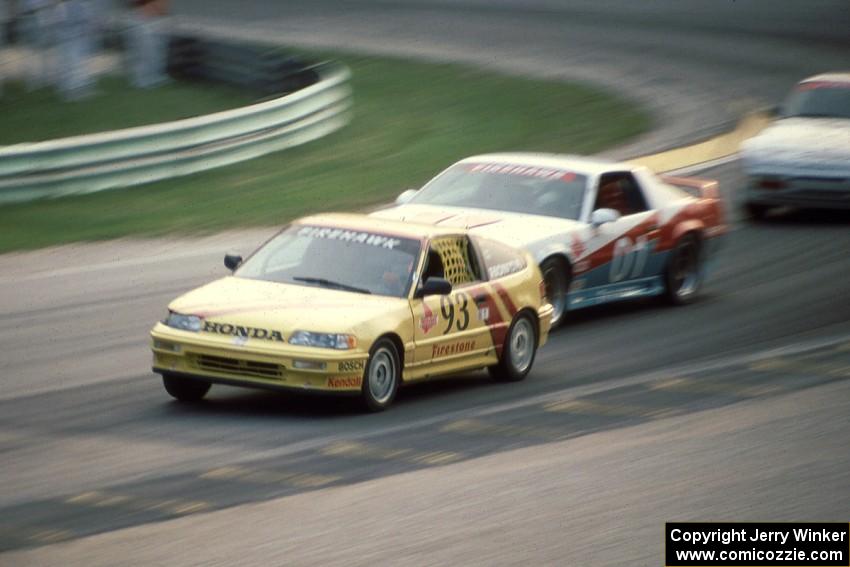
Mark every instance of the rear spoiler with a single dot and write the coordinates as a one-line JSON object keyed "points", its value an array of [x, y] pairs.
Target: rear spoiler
{"points": [[704, 188]]}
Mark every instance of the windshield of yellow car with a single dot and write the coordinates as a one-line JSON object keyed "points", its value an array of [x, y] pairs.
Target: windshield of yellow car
{"points": [[505, 187], [336, 258]]}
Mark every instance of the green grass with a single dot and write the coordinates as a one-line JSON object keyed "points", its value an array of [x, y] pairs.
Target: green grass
{"points": [[42, 115], [410, 121]]}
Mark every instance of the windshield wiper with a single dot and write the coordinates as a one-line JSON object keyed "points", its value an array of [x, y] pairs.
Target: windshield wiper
{"points": [[329, 283]]}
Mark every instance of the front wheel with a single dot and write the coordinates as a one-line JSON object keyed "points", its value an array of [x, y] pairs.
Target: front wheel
{"points": [[557, 281], [518, 351], [683, 275], [382, 376], [184, 389]]}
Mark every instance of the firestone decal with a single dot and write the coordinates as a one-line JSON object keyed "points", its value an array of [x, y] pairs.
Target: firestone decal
{"points": [[244, 332], [452, 348]]}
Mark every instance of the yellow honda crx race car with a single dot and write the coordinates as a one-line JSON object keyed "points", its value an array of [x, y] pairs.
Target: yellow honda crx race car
{"points": [[356, 305]]}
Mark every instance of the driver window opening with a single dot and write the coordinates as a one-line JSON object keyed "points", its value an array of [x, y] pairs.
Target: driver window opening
{"points": [[619, 191], [433, 266]]}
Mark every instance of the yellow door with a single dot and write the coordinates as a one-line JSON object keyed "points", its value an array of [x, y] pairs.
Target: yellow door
{"points": [[451, 331]]}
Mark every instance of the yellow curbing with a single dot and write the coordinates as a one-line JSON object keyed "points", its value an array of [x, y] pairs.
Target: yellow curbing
{"points": [[715, 148]]}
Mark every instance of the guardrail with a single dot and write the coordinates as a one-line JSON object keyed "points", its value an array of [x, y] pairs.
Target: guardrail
{"points": [[95, 162]]}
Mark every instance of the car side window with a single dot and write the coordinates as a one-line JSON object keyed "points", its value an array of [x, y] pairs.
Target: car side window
{"points": [[433, 266], [499, 259], [621, 192], [455, 258]]}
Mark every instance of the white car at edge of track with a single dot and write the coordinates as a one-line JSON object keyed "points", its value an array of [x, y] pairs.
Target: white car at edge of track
{"points": [[803, 158]]}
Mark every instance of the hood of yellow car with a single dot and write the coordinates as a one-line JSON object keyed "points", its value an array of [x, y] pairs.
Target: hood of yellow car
{"points": [[282, 307]]}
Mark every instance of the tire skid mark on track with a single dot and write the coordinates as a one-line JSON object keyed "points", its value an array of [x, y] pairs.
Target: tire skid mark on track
{"points": [[169, 507], [266, 476], [372, 451]]}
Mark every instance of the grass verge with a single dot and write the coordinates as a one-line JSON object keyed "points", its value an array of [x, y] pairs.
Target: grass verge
{"points": [[410, 121], [42, 115]]}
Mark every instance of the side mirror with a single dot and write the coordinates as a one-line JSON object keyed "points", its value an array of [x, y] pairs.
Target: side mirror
{"points": [[232, 261], [602, 216], [435, 286], [406, 196]]}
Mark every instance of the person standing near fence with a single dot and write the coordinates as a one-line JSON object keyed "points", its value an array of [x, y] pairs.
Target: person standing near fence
{"points": [[74, 26], [35, 31], [5, 65], [148, 43]]}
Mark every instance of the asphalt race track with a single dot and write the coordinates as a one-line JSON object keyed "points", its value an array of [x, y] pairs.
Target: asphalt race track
{"points": [[734, 408]]}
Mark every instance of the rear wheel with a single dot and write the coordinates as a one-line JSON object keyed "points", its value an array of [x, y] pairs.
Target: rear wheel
{"points": [[185, 389], [518, 351], [382, 376], [756, 211], [683, 275], [557, 281]]}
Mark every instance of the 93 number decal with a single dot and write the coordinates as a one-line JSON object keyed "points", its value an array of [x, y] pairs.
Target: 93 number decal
{"points": [[447, 308]]}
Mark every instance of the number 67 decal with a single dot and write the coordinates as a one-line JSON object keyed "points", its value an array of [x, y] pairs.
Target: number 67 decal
{"points": [[629, 257]]}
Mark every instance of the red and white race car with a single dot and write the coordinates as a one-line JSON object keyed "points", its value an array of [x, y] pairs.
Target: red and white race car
{"points": [[602, 231]]}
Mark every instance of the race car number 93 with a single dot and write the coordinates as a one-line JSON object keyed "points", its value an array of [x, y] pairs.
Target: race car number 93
{"points": [[459, 318]]}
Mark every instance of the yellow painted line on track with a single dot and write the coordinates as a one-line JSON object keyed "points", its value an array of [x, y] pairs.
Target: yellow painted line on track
{"points": [[587, 407], [718, 147], [479, 427], [369, 451], [270, 477], [785, 365], [97, 499], [706, 387]]}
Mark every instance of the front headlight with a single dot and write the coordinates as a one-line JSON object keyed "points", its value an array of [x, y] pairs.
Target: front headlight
{"points": [[184, 322], [337, 341]]}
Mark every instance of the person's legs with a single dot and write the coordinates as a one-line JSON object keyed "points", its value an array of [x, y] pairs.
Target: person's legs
{"points": [[136, 52], [159, 53]]}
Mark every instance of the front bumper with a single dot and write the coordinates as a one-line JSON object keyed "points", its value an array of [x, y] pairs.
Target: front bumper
{"points": [[544, 316], [198, 356]]}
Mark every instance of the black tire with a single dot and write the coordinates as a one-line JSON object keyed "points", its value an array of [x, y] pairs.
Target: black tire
{"points": [[185, 389], [518, 352], [683, 274], [382, 376], [556, 276], [756, 211]]}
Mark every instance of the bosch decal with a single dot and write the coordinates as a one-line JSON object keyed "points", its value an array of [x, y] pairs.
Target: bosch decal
{"points": [[351, 365]]}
